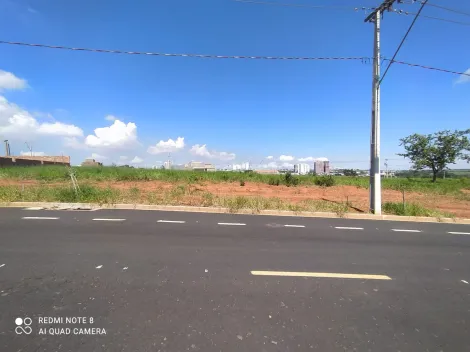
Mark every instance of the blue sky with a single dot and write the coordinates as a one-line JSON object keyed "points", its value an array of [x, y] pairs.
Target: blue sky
{"points": [[227, 111]]}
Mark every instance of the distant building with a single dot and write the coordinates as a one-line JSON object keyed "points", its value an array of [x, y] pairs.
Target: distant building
{"points": [[322, 167], [301, 169], [91, 162], [267, 172], [25, 160], [199, 166], [241, 167], [167, 165]]}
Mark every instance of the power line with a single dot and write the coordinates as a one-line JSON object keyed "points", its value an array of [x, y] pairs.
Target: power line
{"points": [[364, 59], [302, 5], [429, 67], [401, 12], [202, 56], [363, 8], [442, 7], [402, 41]]}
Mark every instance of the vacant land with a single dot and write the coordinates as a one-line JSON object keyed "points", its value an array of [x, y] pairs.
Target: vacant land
{"points": [[449, 197]]}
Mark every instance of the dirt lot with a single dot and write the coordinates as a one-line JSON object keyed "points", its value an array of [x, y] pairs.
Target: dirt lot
{"points": [[357, 196]]}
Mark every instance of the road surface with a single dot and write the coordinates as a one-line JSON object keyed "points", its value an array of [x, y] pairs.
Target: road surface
{"points": [[120, 280]]}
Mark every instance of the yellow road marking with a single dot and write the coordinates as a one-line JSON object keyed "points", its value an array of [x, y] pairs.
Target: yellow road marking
{"points": [[328, 275]]}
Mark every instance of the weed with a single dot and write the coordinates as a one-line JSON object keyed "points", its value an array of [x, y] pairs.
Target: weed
{"points": [[242, 183], [325, 181], [413, 209]]}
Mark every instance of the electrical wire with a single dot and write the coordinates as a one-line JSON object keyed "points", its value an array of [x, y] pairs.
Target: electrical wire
{"points": [[429, 67], [364, 59], [202, 56], [440, 7], [403, 40], [401, 12], [302, 5], [362, 8]]}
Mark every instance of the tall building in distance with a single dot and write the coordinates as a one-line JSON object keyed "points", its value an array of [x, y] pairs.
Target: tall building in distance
{"points": [[301, 169], [167, 165], [241, 167], [322, 166]]}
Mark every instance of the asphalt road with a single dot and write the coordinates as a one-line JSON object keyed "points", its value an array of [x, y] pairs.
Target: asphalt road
{"points": [[174, 281]]}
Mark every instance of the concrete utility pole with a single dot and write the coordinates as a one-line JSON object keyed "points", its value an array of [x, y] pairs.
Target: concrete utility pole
{"points": [[7, 147], [375, 187]]}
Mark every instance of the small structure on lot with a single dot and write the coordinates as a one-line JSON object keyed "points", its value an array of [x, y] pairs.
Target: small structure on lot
{"points": [[199, 166], [267, 172], [91, 162], [24, 160]]}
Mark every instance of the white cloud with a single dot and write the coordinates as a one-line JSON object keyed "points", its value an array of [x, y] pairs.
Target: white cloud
{"points": [[60, 129], [169, 146], [286, 158], [28, 153], [118, 135], [464, 78], [110, 118], [271, 165], [9, 81], [137, 160], [201, 150], [287, 165], [270, 157], [123, 157], [309, 158], [73, 142], [97, 156], [16, 121]]}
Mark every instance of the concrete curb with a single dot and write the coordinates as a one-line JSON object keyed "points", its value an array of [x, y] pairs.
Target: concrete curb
{"points": [[220, 210]]}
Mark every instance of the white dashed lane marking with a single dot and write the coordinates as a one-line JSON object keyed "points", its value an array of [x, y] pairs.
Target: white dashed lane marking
{"points": [[109, 219], [459, 233], [404, 230], [99, 266], [321, 275], [2, 265], [294, 226], [349, 228], [38, 218], [465, 282], [230, 224], [173, 221]]}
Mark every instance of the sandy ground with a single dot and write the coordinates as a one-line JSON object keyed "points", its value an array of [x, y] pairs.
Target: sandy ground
{"points": [[359, 197]]}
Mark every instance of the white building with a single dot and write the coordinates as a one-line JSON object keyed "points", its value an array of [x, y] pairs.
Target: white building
{"points": [[167, 165], [241, 167], [301, 169]]}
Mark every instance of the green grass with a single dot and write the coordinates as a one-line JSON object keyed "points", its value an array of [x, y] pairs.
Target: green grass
{"points": [[179, 195], [84, 174], [413, 209]]}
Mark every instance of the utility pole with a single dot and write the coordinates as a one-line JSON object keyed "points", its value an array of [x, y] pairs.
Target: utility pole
{"points": [[386, 168], [7, 147], [375, 186]]}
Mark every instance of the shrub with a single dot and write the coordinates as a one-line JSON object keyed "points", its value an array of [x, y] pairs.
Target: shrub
{"points": [[325, 181], [242, 183], [290, 180]]}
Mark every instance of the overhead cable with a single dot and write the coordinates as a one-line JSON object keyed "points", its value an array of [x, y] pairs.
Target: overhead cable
{"points": [[403, 40], [401, 12], [243, 57], [441, 7], [303, 5], [350, 8]]}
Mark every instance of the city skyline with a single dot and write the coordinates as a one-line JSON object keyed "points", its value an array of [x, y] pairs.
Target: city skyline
{"points": [[131, 109]]}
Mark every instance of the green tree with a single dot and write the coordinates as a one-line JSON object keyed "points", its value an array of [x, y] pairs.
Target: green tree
{"points": [[349, 172], [436, 151]]}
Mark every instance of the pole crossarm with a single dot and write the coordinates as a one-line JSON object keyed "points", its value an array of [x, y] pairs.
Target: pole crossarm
{"points": [[386, 5]]}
